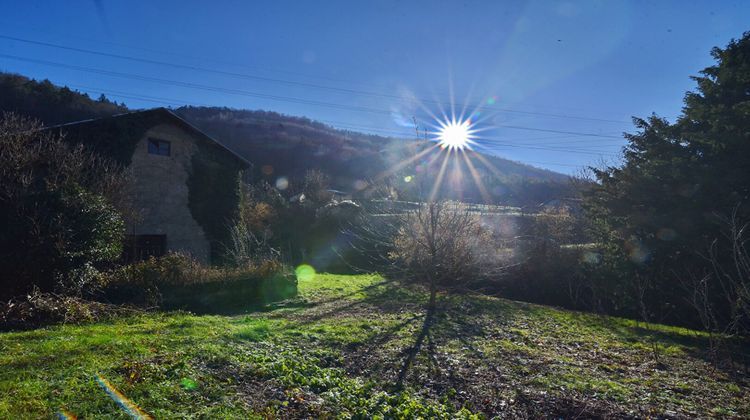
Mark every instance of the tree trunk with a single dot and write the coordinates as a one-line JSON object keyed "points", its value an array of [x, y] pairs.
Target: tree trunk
{"points": [[433, 296], [432, 305]]}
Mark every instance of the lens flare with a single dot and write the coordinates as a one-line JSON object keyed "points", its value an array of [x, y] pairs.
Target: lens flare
{"points": [[188, 384], [455, 134], [282, 183], [66, 415], [305, 272], [126, 404]]}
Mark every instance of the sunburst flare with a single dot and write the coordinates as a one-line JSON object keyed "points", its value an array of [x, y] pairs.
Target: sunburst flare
{"points": [[455, 134]]}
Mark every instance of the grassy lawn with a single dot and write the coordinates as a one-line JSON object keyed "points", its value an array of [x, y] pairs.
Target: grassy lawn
{"points": [[357, 345]]}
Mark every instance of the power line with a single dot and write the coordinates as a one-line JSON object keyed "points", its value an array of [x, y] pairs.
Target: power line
{"points": [[291, 82], [497, 145], [259, 95], [553, 163], [491, 141], [275, 70], [588, 142], [56, 35], [496, 142], [197, 68], [518, 127]]}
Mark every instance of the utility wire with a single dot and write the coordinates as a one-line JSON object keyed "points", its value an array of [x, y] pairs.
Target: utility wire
{"points": [[292, 82], [333, 125], [492, 141], [194, 85], [58, 34], [261, 95]]}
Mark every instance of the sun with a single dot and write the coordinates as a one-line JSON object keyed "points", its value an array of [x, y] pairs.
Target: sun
{"points": [[455, 134]]}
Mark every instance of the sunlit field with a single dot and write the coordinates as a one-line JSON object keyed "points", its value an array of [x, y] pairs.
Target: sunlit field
{"points": [[355, 345], [375, 210]]}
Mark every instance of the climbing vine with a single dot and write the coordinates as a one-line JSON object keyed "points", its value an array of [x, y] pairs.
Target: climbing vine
{"points": [[214, 193], [214, 182]]}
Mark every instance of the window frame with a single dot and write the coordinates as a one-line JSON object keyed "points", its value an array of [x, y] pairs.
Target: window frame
{"points": [[159, 147]]}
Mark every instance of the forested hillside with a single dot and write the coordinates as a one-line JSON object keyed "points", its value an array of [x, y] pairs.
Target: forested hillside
{"points": [[287, 146], [49, 103]]}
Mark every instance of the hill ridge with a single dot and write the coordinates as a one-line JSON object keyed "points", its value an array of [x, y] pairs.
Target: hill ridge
{"points": [[286, 146]]}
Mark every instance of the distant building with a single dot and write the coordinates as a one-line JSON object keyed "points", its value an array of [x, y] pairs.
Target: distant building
{"points": [[185, 186], [340, 195]]}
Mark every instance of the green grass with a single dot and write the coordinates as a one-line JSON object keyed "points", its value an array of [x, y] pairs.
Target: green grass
{"points": [[358, 346], [256, 330]]}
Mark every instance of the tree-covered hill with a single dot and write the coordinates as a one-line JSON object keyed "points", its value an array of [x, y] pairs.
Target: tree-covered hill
{"points": [[49, 103], [288, 146]]}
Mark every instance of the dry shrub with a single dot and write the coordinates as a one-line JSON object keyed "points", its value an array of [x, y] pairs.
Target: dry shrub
{"points": [[444, 245], [44, 308], [248, 250], [178, 281]]}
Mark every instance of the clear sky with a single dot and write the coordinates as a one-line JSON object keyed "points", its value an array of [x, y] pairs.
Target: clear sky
{"points": [[557, 80]]}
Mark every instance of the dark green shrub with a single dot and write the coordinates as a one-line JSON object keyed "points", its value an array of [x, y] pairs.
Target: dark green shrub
{"points": [[56, 207]]}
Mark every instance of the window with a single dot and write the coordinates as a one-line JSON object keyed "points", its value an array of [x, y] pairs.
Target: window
{"points": [[158, 147]]}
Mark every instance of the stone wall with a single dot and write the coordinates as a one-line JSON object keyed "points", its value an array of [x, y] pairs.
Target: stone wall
{"points": [[160, 193]]}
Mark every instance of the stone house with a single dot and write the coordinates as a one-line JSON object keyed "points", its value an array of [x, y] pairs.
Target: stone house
{"points": [[184, 186]]}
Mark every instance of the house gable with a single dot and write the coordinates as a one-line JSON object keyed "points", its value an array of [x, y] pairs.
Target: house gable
{"points": [[184, 185]]}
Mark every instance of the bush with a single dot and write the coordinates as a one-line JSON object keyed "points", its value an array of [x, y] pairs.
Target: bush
{"points": [[247, 249], [56, 203], [176, 281], [43, 308], [444, 245], [548, 273]]}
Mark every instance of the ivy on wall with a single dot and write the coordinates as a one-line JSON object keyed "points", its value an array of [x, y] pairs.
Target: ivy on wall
{"points": [[214, 183], [214, 194]]}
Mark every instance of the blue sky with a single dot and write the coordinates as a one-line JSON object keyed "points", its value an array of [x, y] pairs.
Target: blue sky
{"points": [[558, 80]]}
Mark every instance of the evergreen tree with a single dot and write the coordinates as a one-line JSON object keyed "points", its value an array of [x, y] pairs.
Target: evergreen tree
{"points": [[662, 210]]}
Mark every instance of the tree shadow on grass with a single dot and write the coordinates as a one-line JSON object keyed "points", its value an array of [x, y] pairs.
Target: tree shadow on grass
{"points": [[365, 290], [428, 346], [670, 342], [386, 297], [448, 331], [412, 352], [399, 341]]}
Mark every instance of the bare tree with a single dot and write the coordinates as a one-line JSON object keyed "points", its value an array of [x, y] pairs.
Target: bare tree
{"points": [[698, 288], [440, 244], [443, 245], [642, 284], [721, 296], [733, 276], [247, 249], [316, 187]]}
